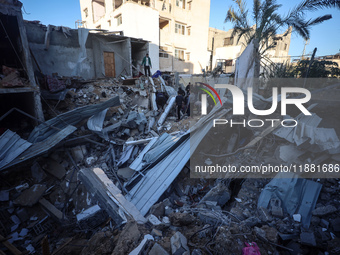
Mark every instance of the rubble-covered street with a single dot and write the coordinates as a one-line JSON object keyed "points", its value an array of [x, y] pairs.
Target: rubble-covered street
{"points": [[98, 158], [91, 191]]}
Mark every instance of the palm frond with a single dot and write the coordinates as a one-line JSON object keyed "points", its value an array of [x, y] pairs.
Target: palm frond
{"points": [[256, 11], [319, 20], [313, 5]]}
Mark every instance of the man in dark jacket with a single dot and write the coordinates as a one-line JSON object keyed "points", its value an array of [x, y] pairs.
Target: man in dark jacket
{"points": [[179, 104], [188, 88], [181, 91], [147, 64], [161, 99]]}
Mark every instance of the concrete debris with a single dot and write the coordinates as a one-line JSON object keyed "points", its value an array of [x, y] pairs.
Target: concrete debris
{"points": [[179, 244], [219, 194], [141, 247], [31, 196], [158, 209], [37, 172], [297, 217], [156, 232], [308, 239], [154, 220], [54, 168], [127, 239], [181, 219], [4, 195], [324, 210], [158, 250]]}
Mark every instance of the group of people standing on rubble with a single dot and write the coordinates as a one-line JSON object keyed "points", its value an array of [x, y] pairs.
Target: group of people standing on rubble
{"points": [[183, 101], [182, 98]]}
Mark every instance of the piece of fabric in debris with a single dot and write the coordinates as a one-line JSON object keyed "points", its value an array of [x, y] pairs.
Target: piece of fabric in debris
{"points": [[54, 84]]}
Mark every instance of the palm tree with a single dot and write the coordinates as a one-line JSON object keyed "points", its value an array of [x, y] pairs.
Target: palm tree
{"points": [[266, 22]]}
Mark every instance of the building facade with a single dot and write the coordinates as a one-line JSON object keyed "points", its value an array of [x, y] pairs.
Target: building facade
{"points": [[177, 30], [224, 49]]}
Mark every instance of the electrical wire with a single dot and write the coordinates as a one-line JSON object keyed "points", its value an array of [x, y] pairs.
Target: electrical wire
{"points": [[27, 13]]}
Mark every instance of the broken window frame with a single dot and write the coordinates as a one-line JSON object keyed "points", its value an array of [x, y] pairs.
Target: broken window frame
{"points": [[228, 41], [179, 29], [228, 62], [180, 3], [86, 12], [163, 52], [119, 19], [189, 5], [187, 56], [189, 30], [163, 55], [179, 54], [164, 6]]}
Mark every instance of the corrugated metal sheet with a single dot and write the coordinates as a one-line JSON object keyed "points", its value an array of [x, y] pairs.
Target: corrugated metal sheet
{"points": [[126, 155], [160, 176], [296, 194], [11, 146], [41, 147], [161, 146], [319, 139], [95, 124], [137, 164], [45, 130]]}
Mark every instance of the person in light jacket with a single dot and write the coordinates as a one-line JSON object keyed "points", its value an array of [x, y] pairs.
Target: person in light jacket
{"points": [[147, 64]]}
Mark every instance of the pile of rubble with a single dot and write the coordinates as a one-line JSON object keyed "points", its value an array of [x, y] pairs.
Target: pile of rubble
{"points": [[109, 173]]}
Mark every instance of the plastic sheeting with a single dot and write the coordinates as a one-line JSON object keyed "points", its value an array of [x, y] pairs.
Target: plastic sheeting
{"points": [[82, 38]]}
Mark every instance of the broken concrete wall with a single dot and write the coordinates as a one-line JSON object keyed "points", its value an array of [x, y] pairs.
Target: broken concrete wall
{"points": [[13, 34], [62, 54], [121, 47]]}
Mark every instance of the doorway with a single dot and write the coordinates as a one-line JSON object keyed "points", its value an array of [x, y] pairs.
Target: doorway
{"points": [[109, 64]]}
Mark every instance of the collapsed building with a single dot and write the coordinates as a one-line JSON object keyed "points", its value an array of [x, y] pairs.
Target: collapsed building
{"points": [[18, 86], [109, 172], [82, 52]]}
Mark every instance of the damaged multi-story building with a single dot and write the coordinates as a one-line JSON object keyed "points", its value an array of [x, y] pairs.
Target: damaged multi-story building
{"points": [[173, 28], [225, 48]]}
